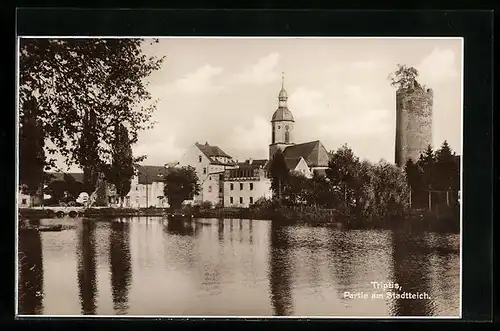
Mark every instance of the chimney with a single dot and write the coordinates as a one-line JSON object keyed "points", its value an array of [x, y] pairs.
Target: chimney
{"points": [[250, 161], [206, 143]]}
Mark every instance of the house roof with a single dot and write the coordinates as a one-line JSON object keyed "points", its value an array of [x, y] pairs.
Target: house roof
{"points": [[292, 162], [254, 164], [313, 152], [282, 114], [211, 150], [78, 176], [247, 172], [149, 174]]}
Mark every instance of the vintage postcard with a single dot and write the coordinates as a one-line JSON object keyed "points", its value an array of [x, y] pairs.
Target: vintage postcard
{"points": [[239, 177]]}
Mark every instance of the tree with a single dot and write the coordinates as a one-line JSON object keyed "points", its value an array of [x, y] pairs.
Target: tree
{"points": [[83, 88], [294, 189], [319, 192], [342, 171], [31, 153], [122, 167], [404, 77], [181, 184], [279, 174]]}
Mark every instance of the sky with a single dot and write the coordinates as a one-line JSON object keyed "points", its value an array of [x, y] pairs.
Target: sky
{"points": [[224, 91]]}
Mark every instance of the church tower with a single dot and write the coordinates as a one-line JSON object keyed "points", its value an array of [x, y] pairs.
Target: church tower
{"points": [[281, 124]]}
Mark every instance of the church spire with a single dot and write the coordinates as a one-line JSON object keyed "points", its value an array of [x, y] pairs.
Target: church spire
{"points": [[283, 96]]}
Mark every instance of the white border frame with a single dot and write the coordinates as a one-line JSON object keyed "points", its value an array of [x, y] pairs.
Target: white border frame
{"points": [[16, 276]]}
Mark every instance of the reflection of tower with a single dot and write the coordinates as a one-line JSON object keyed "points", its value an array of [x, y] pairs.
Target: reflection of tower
{"points": [[280, 273], [87, 282], [120, 264], [411, 271], [413, 123], [281, 124], [220, 230], [30, 282]]}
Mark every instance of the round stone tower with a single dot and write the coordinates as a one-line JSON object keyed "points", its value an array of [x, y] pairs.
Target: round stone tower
{"points": [[281, 124], [413, 123]]}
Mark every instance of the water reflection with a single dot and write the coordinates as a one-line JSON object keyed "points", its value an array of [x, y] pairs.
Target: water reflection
{"points": [[280, 271], [120, 265], [180, 227], [30, 284], [232, 267], [411, 270], [220, 230], [86, 255], [342, 263]]}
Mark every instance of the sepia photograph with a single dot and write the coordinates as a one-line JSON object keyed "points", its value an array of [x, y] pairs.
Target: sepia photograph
{"points": [[241, 177]]}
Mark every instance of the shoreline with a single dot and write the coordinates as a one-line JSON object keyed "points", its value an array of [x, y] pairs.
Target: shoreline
{"points": [[415, 220]]}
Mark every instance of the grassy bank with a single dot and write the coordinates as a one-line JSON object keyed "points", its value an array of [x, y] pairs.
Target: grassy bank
{"points": [[446, 220]]}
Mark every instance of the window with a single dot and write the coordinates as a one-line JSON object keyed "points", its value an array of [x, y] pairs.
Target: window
{"points": [[231, 200], [137, 188], [231, 186], [209, 177], [241, 186], [251, 186], [251, 200], [210, 189], [23, 201], [199, 158], [241, 200], [204, 171], [287, 137]]}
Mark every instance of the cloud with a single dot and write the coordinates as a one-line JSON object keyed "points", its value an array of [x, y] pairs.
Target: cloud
{"points": [[439, 66], [305, 102], [367, 122], [261, 72], [199, 81], [255, 137], [160, 150], [363, 65]]}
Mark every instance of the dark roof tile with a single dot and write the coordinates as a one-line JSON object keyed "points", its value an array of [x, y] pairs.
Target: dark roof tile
{"points": [[313, 152], [149, 174]]}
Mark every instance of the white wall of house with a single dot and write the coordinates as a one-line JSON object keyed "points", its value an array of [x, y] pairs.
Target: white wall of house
{"points": [[245, 191], [303, 168], [145, 195]]}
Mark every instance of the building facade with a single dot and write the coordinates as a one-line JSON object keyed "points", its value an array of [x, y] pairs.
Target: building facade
{"points": [[210, 162], [147, 188], [245, 185], [413, 123]]}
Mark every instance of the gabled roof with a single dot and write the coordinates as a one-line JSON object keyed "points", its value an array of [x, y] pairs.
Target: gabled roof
{"points": [[292, 162], [313, 152], [149, 174], [78, 176], [210, 150]]}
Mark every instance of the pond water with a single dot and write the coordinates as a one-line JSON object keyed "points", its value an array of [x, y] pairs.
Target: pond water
{"points": [[209, 267]]}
